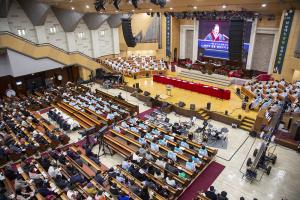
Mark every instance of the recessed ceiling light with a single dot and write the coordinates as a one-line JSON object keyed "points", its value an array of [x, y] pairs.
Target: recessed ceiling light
{"points": [[264, 5], [171, 8], [133, 10], [87, 6], [224, 6], [168, 0], [150, 9], [195, 7], [116, 11], [72, 8]]}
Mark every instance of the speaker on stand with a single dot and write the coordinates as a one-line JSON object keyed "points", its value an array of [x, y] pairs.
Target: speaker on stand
{"points": [[127, 32]]}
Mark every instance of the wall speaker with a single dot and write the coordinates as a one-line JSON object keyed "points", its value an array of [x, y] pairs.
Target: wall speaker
{"points": [[236, 37], [208, 106], [226, 112], [137, 85], [127, 32], [181, 104], [192, 107]]}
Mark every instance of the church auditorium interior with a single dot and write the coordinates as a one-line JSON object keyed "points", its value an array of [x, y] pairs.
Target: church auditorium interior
{"points": [[149, 99]]}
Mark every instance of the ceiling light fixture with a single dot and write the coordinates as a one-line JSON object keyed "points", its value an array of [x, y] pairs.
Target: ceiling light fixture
{"points": [[195, 7], [171, 8], [264, 5], [132, 10], [224, 6], [87, 6], [150, 9], [72, 8]]}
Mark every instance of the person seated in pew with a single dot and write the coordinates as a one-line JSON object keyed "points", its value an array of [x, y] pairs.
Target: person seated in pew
{"points": [[149, 136], [170, 180], [196, 160], [172, 155], [136, 157], [161, 162], [126, 164], [190, 165], [72, 194], [61, 183], [155, 132], [10, 173], [91, 155], [142, 150], [170, 166], [168, 137], [99, 178], [114, 190], [158, 175], [34, 174], [142, 139], [184, 144], [45, 190], [143, 126], [202, 152], [162, 141], [144, 193], [154, 146], [133, 187], [100, 195], [149, 156], [23, 194], [134, 129], [124, 125], [211, 193], [133, 120], [178, 149], [75, 156], [54, 170], [90, 189], [59, 156], [123, 196]]}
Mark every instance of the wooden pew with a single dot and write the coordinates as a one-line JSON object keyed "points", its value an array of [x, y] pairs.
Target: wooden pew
{"points": [[166, 149], [136, 181], [178, 137], [27, 179]]}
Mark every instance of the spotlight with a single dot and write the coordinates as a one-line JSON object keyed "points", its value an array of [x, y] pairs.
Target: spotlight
{"points": [[161, 3], [99, 5], [117, 4], [135, 3]]}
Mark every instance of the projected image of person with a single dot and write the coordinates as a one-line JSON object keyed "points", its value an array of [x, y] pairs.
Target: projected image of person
{"points": [[215, 34]]}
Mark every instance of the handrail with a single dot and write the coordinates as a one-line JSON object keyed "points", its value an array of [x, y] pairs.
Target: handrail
{"points": [[45, 44]]}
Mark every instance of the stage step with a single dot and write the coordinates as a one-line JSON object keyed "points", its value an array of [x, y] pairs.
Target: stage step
{"points": [[247, 124], [197, 75], [203, 114]]}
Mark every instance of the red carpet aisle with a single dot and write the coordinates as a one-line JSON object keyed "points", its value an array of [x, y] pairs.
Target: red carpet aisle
{"points": [[147, 112], [202, 183]]}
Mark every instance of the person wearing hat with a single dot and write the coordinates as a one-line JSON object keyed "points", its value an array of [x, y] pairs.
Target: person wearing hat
{"points": [[90, 189]]}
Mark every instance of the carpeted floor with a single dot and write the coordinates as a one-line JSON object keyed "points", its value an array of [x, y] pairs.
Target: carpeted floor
{"points": [[204, 180]]}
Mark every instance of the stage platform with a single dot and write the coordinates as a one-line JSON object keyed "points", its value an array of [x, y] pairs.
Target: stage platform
{"points": [[233, 106]]}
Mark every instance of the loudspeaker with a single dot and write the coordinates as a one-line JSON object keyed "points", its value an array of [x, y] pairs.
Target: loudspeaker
{"points": [[147, 75], [236, 33], [253, 133], [181, 104], [127, 32], [146, 93], [192, 107], [137, 85], [208, 106], [134, 77], [226, 112]]}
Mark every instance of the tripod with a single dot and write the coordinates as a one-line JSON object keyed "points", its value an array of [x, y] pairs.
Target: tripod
{"points": [[102, 145]]}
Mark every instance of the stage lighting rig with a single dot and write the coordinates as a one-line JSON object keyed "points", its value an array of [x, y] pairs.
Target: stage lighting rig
{"points": [[161, 3], [117, 4], [99, 5], [135, 3]]}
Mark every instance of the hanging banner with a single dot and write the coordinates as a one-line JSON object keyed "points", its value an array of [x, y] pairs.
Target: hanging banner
{"points": [[168, 36], [283, 41]]}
